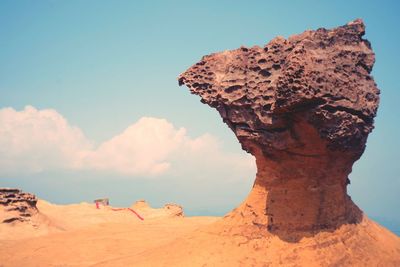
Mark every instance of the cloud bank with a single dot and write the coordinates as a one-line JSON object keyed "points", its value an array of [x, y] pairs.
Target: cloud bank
{"points": [[33, 141]]}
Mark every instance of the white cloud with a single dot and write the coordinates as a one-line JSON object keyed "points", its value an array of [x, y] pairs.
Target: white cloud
{"points": [[34, 140], [143, 148]]}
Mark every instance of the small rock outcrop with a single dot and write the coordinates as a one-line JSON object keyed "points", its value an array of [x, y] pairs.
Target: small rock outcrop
{"points": [[304, 107], [174, 210], [16, 205], [169, 210]]}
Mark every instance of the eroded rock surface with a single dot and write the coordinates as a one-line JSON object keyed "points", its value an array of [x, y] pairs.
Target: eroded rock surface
{"points": [[304, 107], [169, 210], [16, 205]]}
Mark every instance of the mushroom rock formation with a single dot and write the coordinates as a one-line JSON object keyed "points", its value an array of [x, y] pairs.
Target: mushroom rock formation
{"points": [[304, 107]]}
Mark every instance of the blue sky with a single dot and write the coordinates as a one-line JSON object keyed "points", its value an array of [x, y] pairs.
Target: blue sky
{"points": [[103, 65]]}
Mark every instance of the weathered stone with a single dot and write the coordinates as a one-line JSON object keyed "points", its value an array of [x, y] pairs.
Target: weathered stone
{"points": [[174, 210], [16, 205], [304, 107]]}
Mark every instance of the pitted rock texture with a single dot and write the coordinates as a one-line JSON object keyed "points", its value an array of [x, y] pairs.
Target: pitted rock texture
{"points": [[16, 205], [323, 72], [304, 107]]}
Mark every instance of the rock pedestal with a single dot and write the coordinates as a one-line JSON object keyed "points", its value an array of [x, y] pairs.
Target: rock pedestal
{"points": [[303, 106]]}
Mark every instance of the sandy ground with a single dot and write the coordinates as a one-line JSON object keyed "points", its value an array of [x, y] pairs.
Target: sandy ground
{"points": [[81, 235]]}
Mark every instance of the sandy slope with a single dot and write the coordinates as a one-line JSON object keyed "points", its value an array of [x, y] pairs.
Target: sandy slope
{"points": [[81, 235]]}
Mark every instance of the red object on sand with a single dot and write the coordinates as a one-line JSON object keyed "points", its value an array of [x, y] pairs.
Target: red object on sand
{"points": [[140, 217], [134, 212]]}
